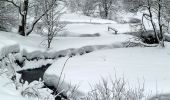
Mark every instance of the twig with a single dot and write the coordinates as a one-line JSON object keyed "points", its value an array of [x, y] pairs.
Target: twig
{"points": [[62, 72]]}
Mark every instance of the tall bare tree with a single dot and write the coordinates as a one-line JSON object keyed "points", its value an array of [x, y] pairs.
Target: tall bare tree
{"points": [[156, 12], [51, 21], [23, 8], [156, 17]]}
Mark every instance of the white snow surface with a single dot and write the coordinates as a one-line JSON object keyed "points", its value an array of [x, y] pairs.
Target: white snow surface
{"points": [[134, 64], [8, 91], [79, 18], [34, 42], [145, 65], [86, 29]]}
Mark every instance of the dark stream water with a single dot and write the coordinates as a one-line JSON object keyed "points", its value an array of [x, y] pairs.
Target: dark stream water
{"points": [[31, 75]]}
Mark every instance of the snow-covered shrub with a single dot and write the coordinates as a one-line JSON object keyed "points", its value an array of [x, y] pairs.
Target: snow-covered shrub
{"points": [[35, 90], [148, 37], [36, 63], [19, 59], [62, 53], [134, 20], [9, 49], [81, 51], [50, 55], [88, 49], [72, 52], [57, 54], [35, 55], [116, 91], [167, 37], [9, 67]]}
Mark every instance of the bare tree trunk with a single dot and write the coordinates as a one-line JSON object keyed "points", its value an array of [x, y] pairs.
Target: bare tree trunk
{"points": [[49, 43], [161, 40], [105, 9], [151, 20], [23, 29], [22, 26], [24, 11]]}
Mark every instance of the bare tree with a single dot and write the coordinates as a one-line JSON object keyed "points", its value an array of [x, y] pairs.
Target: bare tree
{"points": [[23, 8], [75, 5], [106, 6], [156, 13], [51, 22], [155, 9]]}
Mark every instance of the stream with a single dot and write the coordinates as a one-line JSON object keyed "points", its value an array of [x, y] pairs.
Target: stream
{"points": [[31, 75]]}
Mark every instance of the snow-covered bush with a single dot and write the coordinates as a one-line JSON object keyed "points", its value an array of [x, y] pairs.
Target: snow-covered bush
{"points": [[34, 55], [9, 49], [35, 90], [9, 67], [134, 20], [167, 37], [116, 91]]}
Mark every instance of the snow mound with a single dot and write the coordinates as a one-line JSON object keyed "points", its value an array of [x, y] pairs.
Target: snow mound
{"points": [[33, 55], [135, 64], [9, 49], [35, 64]]}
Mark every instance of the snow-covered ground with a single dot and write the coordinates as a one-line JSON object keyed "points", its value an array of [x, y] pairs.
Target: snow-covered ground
{"points": [[79, 18], [102, 29], [148, 65], [79, 25], [35, 42], [8, 91]]}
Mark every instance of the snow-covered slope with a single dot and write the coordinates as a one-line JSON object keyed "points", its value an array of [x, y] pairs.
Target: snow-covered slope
{"points": [[148, 65], [36, 42]]}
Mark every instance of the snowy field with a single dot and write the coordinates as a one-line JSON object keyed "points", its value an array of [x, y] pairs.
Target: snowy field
{"points": [[148, 65], [35, 42], [145, 65]]}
